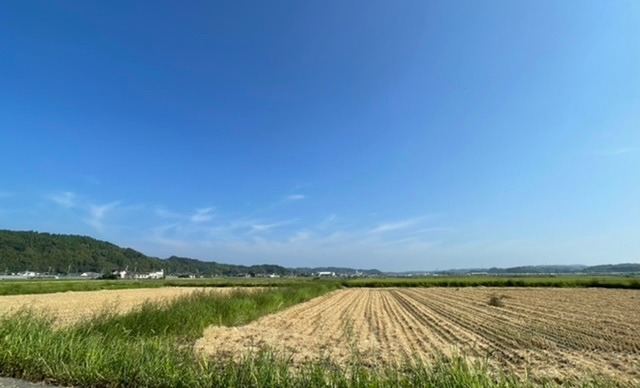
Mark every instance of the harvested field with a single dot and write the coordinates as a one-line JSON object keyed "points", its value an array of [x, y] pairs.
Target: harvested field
{"points": [[72, 307], [554, 333]]}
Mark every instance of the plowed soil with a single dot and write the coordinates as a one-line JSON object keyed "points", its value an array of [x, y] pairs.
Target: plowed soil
{"points": [[71, 307], [557, 333]]}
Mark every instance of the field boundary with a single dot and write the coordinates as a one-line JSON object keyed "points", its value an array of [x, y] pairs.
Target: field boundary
{"points": [[25, 287], [615, 282]]}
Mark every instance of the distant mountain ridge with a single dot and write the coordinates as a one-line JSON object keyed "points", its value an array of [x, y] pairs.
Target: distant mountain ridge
{"points": [[540, 270], [58, 253]]}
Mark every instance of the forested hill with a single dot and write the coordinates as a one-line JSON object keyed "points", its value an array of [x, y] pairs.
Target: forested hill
{"points": [[55, 253]]}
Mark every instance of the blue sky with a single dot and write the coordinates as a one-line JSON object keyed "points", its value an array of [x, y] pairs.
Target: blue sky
{"points": [[408, 135]]}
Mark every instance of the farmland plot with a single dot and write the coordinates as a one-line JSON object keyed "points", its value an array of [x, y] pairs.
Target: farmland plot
{"points": [[556, 333], [71, 307]]}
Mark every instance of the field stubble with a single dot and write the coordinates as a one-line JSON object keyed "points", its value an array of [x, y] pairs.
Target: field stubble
{"points": [[538, 333], [68, 308]]}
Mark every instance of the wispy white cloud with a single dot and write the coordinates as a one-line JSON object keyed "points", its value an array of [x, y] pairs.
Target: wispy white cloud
{"points": [[202, 215], [267, 227], [409, 240], [209, 233], [282, 201], [97, 213], [400, 243], [327, 222], [66, 199], [162, 236], [235, 225], [300, 235], [396, 225], [433, 229]]}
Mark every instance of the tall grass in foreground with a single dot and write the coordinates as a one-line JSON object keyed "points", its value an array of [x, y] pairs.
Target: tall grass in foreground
{"points": [[188, 316], [153, 346], [32, 350]]}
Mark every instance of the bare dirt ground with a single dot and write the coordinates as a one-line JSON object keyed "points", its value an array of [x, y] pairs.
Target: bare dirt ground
{"points": [[557, 333], [15, 383], [71, 307]]}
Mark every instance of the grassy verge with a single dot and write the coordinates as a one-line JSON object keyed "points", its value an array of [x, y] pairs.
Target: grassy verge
{"points": [[32, 350], [36, 352], [188, 316]]}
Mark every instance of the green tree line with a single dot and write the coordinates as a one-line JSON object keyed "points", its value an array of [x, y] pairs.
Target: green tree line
{"points": [[60, 254]]}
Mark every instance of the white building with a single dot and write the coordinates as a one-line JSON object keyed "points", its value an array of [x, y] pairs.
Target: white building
{"points": [[151, 275]]}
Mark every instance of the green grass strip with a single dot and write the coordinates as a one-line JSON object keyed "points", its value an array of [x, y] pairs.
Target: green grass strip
{"points": [[188, 315], [617, 282], [19, 287]]}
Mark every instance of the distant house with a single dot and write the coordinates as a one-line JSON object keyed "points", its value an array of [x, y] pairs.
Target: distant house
{"points": [[326, 274], [151, 275], [120, 274], [90, 275]]}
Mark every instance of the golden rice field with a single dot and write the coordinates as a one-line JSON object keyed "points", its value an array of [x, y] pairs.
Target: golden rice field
{"points": [[71, 307], [551, 332]]}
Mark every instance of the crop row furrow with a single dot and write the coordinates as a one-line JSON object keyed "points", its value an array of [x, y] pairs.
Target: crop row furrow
{"points": [[536, 326], [335, 318], [508, 318], [562, 338], [427, 320], [464, 340], [379, 331], [499, 344], [404, 324]]}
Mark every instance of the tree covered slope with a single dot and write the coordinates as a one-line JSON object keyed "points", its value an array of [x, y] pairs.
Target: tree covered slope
{"points": [[45, 252]]}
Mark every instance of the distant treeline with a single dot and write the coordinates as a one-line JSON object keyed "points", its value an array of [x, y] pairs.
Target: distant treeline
{"points": [[62, 254], [626, 268], [568, 281], [567, 269]]}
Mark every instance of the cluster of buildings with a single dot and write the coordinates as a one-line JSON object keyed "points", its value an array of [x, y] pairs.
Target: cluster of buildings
{"points": [[119, 274], [331, 274], [123, 274], [28, 275]]}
